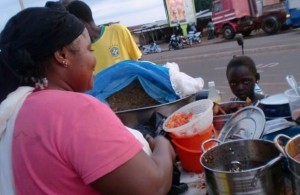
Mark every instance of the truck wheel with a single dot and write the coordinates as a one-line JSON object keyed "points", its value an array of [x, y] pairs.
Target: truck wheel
{"points": [[270, 25], [228, 32]]}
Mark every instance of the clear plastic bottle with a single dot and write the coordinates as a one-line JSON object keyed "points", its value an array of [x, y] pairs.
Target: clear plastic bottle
{"points": [[213, 94]]}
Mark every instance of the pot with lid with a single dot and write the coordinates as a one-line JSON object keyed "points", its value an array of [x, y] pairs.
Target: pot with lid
{"points": [[230, 108], [246, 166]]}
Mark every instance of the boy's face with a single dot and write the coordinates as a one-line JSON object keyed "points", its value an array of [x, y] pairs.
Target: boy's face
{"points": [[242, 82]]}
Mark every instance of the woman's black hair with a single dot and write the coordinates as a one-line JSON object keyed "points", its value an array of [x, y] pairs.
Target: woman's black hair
{"points": [[29, 39], [238, 61], [17, 67]]}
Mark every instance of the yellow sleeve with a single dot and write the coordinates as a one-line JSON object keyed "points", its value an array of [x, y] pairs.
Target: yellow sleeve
{"points": [[131, 46]]}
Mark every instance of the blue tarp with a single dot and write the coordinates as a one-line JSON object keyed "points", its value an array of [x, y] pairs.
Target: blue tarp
{"points": [[153, 78]]}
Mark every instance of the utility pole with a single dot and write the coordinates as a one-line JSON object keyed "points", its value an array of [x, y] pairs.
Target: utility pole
{"points": [[21, 4]]}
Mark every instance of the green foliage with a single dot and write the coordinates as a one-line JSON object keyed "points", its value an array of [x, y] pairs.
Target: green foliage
{"points": [[202, 4]]}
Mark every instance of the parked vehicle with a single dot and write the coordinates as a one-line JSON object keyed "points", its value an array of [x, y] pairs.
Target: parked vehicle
{"points": [[231, 16], [194, 37], [152, 48], [175, 42], [293, 10], [184, 40]]}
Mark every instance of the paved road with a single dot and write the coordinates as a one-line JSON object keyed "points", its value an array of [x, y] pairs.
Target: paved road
{"points": [[275, 57]]}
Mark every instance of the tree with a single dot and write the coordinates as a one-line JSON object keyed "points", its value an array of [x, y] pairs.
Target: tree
{"points": [[202, 4]]}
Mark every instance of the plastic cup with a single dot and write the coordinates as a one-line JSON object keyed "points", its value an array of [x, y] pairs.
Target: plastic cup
{"points": [[294, 103]]}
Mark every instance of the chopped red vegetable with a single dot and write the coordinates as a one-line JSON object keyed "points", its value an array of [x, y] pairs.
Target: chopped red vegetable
{"points": [[179, 119]]}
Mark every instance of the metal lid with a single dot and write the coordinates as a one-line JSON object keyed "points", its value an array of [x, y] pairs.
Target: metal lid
{"points": [[246, 123]]}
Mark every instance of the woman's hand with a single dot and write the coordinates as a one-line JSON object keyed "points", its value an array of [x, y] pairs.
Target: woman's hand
{"points": [[153, 142]]}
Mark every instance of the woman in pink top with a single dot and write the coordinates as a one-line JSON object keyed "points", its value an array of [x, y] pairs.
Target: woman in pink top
{"points": [[64, 141]]}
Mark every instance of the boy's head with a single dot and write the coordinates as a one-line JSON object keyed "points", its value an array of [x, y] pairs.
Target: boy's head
{"points": [[65, 2], [242, 76], [81, 10]]}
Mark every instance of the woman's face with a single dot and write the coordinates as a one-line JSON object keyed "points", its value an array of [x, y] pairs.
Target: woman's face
{"points": [[81, 63], [242, 82]]}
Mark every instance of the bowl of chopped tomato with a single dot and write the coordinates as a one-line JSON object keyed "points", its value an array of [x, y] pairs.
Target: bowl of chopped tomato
{"points": [[190, 119]]}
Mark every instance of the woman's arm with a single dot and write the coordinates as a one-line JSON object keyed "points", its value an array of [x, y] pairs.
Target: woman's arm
{"points": [[141, 174]]}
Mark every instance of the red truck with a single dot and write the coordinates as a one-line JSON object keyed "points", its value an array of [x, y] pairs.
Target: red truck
{"points": [[243, 16]]}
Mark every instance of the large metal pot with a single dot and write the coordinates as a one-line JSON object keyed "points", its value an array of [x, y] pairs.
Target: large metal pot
{"points": [[134, 117], [243, 167], [220, 120], [291, 150]]}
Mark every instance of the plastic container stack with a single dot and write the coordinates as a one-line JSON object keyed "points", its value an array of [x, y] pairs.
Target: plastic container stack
{"points": [[188, 138]]}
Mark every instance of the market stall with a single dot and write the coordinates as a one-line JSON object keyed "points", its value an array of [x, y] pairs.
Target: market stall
{"points": [[248, 129], [228, 153]]}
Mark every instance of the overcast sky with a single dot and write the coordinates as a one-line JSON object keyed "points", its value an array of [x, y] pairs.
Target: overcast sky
{"points": [[128, 12]]}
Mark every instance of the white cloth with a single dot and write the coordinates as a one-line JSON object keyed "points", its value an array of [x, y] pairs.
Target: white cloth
{"points": [[9, 109], [183, 84], [139, 136]]}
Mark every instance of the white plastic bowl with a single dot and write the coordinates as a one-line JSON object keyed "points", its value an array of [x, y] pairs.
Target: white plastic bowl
{"points": [[202, 119]]}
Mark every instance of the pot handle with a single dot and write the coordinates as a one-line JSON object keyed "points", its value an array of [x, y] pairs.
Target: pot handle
{"points": [[207, 141], [278, 144], [263, 169]]}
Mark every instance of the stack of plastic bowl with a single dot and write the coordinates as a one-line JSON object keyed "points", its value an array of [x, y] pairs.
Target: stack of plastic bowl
{"points": [[188, 138]]}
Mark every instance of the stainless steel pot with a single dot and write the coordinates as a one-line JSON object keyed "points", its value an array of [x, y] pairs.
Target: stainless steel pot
{"points": [[291, 149], [243, 167], [220, 120], [134, 117]]}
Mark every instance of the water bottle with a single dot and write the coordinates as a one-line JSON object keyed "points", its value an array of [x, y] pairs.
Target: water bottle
{"points": [[213, 93]]}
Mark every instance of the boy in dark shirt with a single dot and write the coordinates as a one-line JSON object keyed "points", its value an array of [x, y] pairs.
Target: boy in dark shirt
{"points": [[242, 77]]}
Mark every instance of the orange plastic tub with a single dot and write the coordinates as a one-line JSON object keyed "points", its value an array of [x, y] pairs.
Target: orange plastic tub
{"points": [[189, 151], [190, 159], [195, 142]]}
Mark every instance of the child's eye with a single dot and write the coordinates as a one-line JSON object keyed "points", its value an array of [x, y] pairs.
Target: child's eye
{"points": [[232, 83], [246, 82]]}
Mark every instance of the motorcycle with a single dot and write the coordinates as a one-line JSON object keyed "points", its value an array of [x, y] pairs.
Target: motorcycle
{"points": [[194, 37], [184, 40], [152, 48], [175, 42]]}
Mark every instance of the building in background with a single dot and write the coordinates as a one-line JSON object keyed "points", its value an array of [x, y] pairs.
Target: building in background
{"points": [[161, 30], [177, 12]]}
